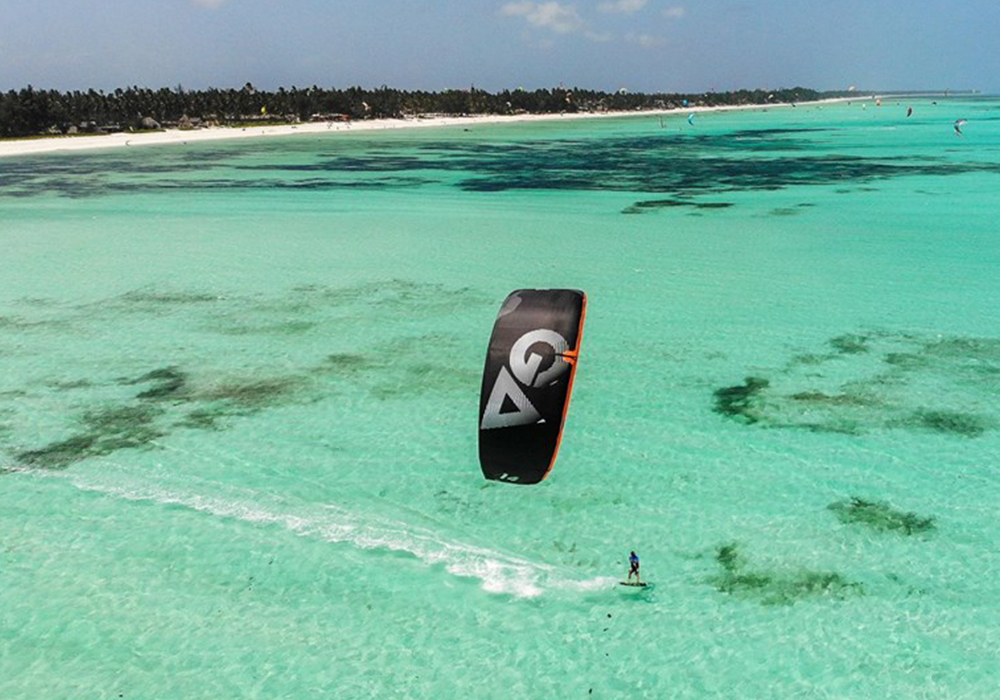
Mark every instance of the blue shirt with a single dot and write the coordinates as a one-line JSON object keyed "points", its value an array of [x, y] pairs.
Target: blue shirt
{"points": [[634, 558]]}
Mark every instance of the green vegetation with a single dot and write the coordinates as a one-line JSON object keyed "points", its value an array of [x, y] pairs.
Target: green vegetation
{"points": [[30, 112]]}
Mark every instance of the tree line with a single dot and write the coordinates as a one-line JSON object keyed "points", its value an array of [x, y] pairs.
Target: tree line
{"points": [[29, 112]]}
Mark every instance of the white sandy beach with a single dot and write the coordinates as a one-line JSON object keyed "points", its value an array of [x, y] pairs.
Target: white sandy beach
{"points": [[21, 147]]}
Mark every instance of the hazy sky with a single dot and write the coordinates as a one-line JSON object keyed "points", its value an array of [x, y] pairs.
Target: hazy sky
{"points": [[648, 45]]}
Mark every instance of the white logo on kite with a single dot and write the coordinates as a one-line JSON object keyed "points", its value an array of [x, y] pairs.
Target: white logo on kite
{"points": [[508, 405]]}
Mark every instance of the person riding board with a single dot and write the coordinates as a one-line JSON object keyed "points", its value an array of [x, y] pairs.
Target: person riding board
{"points": [[633, 561]]}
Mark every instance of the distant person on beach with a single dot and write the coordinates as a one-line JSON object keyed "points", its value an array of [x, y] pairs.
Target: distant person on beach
{"points": [[633, 563]]}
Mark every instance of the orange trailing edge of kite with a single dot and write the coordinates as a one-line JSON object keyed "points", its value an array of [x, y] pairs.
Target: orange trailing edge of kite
{"points": [[571, 356]]}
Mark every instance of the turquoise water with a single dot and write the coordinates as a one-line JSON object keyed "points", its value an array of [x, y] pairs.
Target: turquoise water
{"points": [[239, 385]]}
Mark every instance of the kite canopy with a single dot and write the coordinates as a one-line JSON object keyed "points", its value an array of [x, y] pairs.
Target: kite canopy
{"points": [[527, 382]]}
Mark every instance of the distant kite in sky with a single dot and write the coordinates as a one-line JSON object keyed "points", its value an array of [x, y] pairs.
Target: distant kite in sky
{"points": [[958, 126], [691, 119], [909, 111]]}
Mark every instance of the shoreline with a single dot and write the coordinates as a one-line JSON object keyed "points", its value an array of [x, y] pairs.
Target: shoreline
{"points": [[72, 144]]}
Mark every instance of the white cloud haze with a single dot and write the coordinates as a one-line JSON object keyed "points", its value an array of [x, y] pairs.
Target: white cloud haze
{"points": [[674, 12], [561, 19], [646, 41], [622, 6]]}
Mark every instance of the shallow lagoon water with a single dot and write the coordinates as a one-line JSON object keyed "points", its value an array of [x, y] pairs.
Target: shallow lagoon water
{"points": [[239, 389]]}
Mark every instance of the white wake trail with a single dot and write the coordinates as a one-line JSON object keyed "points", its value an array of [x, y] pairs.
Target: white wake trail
{"points": [[498, 572]]}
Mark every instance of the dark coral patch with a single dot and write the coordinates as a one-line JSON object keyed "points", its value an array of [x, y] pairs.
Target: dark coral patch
{"points": [[121, 427], [237, 397], [951, 422], [347, 362], [729, 557], [776, 587], [418, 378], [850, 343], [394, 296], [906, 360], [695, 168], [106, 430], [170, 397], [879, 381], [150, 296], [168, 383], [69, 385], [203, 419], [818, 397], [647, 205], [119, 419], [741, 401], [713, 205], [643, 206], [283, 327], [21, 324], [250, 394], [808, 359], [59, 455], [880, 516], [980, 350], [680, 165]]}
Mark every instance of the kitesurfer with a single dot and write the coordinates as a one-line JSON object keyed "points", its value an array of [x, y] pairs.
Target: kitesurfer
{"points": [[633, 567]]}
